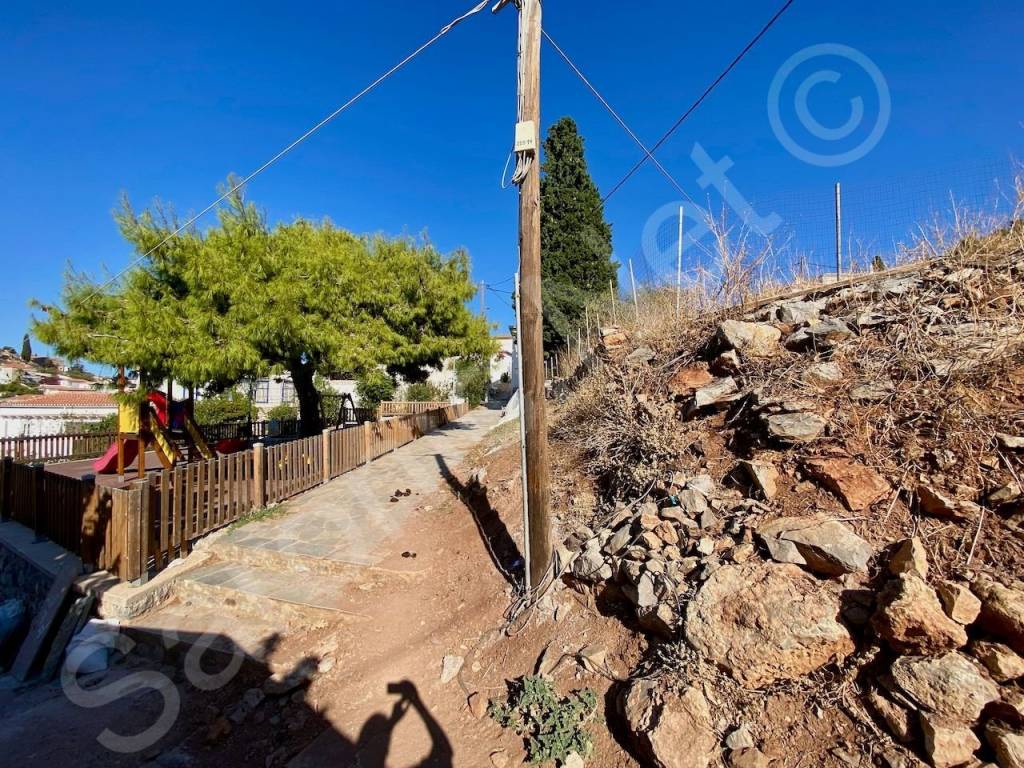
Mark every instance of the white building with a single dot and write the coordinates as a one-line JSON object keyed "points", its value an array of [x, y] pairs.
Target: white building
{"points": [[50, 412]]}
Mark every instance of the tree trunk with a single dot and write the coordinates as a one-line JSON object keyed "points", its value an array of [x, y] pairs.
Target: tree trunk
{"points": [[308, 396]]}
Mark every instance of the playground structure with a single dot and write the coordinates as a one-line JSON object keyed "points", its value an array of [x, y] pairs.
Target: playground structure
{"points": [[163, 424]]}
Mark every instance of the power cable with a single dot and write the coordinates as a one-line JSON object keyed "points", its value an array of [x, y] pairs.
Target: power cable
{"points": [[703, 96], [626, 128], [614, 114], [444, 31]]}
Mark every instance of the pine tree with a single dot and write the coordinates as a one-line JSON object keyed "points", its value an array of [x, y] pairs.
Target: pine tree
{"points": [[576, 241], [244, 299], [26, 348]]}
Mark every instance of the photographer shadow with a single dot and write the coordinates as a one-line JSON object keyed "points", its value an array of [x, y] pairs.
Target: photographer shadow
{"points": [[373, 744]]}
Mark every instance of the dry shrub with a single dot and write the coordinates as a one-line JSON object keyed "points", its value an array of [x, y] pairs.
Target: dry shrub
{"points": [[626, 441]]}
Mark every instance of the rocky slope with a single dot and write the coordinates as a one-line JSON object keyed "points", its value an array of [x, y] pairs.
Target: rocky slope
{"points": [[815, 505]]}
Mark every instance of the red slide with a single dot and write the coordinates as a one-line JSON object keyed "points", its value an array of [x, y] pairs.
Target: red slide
{"points": [[107, 463]]}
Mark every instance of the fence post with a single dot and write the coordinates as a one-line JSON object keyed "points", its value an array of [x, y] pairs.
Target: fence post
{"points": [[839, 231], [367, 427], [5, 488], [137, 531], [37, 500], [259, 489], [327, 454]]}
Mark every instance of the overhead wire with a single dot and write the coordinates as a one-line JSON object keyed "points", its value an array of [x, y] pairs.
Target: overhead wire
{"points": [[632, 134], [235, 187], [700, 100]]}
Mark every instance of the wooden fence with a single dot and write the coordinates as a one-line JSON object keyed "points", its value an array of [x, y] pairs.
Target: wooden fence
{"points": [[69, 446], [136, 531], [396, 408], [72, 446]]}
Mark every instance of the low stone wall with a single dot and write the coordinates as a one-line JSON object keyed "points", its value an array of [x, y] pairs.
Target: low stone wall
{"points": [[21, 579]]}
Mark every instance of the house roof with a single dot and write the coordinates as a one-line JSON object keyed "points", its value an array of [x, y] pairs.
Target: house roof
{"points": [[67, 398], [21, 365]]}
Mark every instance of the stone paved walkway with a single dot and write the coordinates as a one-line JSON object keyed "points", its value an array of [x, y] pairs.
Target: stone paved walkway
{"points": [[348, 519]]}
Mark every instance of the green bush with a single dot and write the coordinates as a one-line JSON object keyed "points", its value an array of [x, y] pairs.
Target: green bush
{"points": [[472, 377], [553, 727], [230, 406], [423, 392], [282, 412], [107, 424], [373, 387]]}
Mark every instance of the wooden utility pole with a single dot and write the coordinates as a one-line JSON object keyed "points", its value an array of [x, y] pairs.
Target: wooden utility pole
{"points": [[532, 333], [483, 298]]}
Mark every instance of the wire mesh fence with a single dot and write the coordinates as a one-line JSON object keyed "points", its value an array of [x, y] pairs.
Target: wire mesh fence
{"points": [[789, 236], [735, 249]]}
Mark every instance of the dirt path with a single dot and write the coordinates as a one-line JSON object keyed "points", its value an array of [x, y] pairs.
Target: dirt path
{"points": [[429, 576]]}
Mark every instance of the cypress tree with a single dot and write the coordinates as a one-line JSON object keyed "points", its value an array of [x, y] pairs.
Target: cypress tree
{"points": [[576, 241], [26, 348]]}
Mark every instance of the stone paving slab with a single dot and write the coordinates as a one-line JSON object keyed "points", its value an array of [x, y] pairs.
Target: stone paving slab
{"points": [[273, 585], [349, 519]]}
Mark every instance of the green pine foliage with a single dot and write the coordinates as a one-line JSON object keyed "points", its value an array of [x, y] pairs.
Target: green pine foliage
{"points": [[244, 299], [472, 379], [553, 727], [576, 241]]}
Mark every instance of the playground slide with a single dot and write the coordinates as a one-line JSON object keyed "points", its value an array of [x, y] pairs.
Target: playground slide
{"points": [[107, 463]]}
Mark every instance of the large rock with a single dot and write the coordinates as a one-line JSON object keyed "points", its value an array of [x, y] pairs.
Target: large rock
{"points": [[803, 427], [959, 602], [831, 548], [1001, 662], [763, 476], [686, 380], [937, 504], [897, 718], [716, 393], [752, 339], [950, 686], [948, 744], [1002, 611], [909, 556], [825, 546], [764, 622], [672, 730], [910, 618], [1007, 743], [857, 486]]}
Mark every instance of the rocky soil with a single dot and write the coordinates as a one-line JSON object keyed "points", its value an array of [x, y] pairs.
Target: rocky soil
{"points": [[813, 508]]}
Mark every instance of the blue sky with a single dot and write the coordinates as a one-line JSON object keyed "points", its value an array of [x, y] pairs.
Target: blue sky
{"points": [[164, 100]]}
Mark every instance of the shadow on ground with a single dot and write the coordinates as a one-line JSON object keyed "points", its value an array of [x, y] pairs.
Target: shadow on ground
{"points": [[500, 546], [173, 700]]}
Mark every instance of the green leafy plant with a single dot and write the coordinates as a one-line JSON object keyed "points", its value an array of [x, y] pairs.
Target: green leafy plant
{"points": [[553, 727], [423, 392], [373, 387], [282, 412], [230, 406], [472, 377]]}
